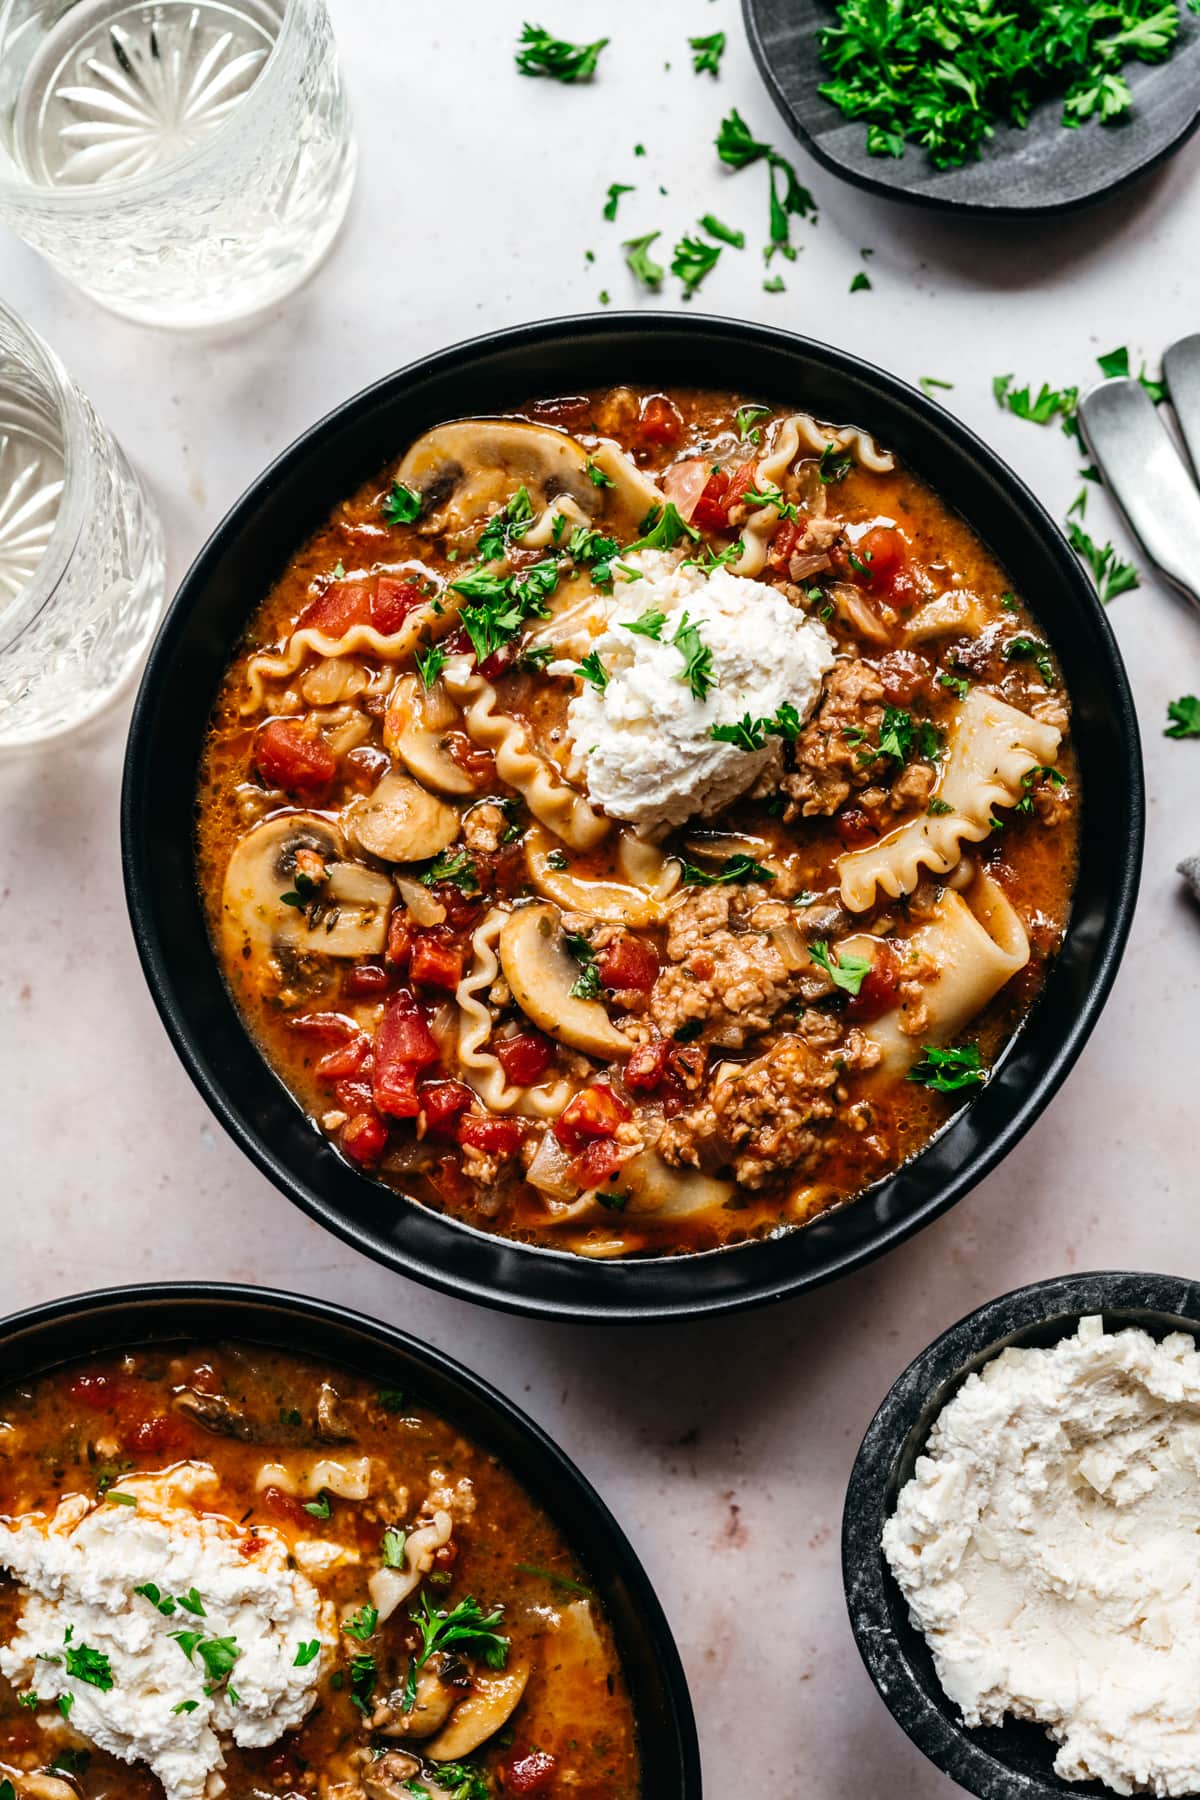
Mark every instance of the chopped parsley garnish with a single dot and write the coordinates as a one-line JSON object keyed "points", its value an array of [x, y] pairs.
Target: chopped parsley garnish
{"points": [[776, 285], [430, 664], [534, 659], [662, 529], [616, 189], [192, 1603], [845, 971], [30, 1700], [697, 657], [707, 53], [306, 1653], [319, 1508], [362, 1625], [739, 868], [593, 670], [392, 1400], [897, 734], [554, 1578], [501, 604], [769, 495], [557, 859], [727, 234], [118, 1499], [1030, 649], [938, 809], [596, 475], [187, 1641], [861, 282], [835, 464], [65, 1703], [595, 551], [363, 1676], [163, 1602], [1116, 362], [746, 419], [735, 144], [649, 624], [1113, 576], [927, 382], [707, 559], [1050, 403], [946, 1071], [788, 196], [218, 1656], [692, 261], [1030, 779], [505, 526], [457, 866], [401, 506], [587, 985], [392, 1547], [747, 734], [466, 1625], [88, 1665], [944, 76], [1184, 715], [540, 53], [185, 1706], [954, 684], [641, 263]]}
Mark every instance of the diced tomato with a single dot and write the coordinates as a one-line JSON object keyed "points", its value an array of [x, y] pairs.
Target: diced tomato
{"points": [[877, 558], [598, 1164], [787, 540], [404, 1045], [878, 990], [325, 1027], [853, 826], [628, 962], [392, 602], [647, 1066], [494, 665], [525, 1058], [343, 604], [442, 1104], [595, 1112], [446, 1555], [436, 963], [161, 1436], [480, 765], [289, 756], [364, 980], [688, 1064], [462, 909], [285, 1506], [339, 1065], [661, 421], [458, 642], [356, 1096], [741, 480], [494, 1137], [399, 939], [99, 1392], [250, 1546], [710, 512], [530, 1772], [364, 1138]]}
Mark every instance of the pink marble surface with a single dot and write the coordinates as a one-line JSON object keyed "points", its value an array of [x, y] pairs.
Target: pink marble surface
{"points": [[723, 1449]]}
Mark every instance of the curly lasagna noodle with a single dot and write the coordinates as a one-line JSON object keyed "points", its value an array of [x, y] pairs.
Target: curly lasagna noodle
{"points": [[633, 825]]}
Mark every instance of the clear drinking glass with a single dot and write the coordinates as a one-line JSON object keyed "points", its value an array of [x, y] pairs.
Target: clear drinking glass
{"points": [[184, 162], [81, 549]]}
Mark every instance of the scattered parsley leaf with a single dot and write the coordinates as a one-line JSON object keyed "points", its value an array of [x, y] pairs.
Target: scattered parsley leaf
{"points": [[957, 685], [662, 529], [835, 464], [697, 657], [392, 1400], [1114, 362], [119, 1499], [540, 53], [1033, 650], [218, 1656], [776, 285], [362, 1624], [192, 1603], [616, 189], [587, 985], [747, 734], [392, 1547], [319, 1508], [938, 809], [1184, 715], [928, 382], [457, 866], [728, 234], [185, 1706], [692, 261], [505, 526], [593, 670], [596, 475], [88, 1665], [649, 624], [1113, 577], [363, 1676], [735, 144], [746, 421], [402, 505], [641, 263], [861, 282], [737, 868], [846, 972], [430, 664], [306, 1653], [946, 1071], [707, 53], [1050, 403]]}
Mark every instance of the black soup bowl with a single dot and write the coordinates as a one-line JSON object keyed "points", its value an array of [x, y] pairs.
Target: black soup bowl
{"points": [[279, 512], [33, 1342], [1013, 1761]]}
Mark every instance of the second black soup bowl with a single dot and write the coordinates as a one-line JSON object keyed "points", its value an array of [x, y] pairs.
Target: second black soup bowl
{"points": [[242, 560]]}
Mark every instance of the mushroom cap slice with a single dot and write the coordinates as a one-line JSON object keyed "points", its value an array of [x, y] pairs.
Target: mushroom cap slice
{"points": [[415, 737], [480, 1716], [401, 822], [348, 916], [611, 901], [464, 469], [541, 972]]}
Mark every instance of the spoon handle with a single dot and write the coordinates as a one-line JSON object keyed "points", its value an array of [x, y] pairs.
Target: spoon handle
{"points": [[1181, 372], [1147, 477]]}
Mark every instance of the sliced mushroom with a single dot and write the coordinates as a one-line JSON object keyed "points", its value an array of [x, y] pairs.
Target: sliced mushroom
{"points": [[610, 901], [344, 909], [465, 469], [390, 1776], [332, 1426], [541, 972], [414, 731], [435, 1701], [218, 1414], [401, 822], [478, 1717]]}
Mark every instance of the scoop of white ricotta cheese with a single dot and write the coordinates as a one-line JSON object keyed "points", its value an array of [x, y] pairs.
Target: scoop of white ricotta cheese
{"points": [[1047, 1547], [112, 1658], [644, 740]]}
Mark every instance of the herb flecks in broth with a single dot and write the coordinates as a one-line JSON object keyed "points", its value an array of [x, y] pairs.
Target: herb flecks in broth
{"points": [[597, 851]]}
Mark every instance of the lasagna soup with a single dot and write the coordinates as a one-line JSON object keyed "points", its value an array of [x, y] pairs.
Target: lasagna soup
{"points": [[228, 1569], [633, 825]]}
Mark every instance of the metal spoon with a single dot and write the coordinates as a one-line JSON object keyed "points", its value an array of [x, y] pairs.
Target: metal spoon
{"points": [[1144, 471]]}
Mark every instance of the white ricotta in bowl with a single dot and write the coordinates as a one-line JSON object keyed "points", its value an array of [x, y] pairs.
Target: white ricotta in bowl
{"points": [[1048, 1545], [643, 741], [90, 1645]]}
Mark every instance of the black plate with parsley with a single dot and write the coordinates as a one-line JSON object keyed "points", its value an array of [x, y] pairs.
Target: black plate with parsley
{"points": [[907, 91]]}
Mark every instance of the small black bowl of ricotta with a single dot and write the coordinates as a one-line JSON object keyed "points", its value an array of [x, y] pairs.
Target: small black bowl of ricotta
{"points": [[1019, 1539]]}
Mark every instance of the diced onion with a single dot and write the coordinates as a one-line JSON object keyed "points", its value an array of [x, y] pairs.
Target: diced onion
{"points": [[550, 1170], [420, 904]]}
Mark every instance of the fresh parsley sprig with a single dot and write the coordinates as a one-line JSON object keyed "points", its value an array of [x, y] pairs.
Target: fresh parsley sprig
{"points": [[948, 1071], [539, 52]]}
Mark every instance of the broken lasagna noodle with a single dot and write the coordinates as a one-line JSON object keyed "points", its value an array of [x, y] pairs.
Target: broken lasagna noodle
{"points": [[633, 825]]}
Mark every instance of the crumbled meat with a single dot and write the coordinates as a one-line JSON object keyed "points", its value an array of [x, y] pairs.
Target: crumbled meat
{"points": [[484, 827], [719, 972], [1053, 801], [769, 1116], [828, 763], [913, 785], [1051, 710]]}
